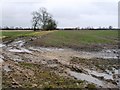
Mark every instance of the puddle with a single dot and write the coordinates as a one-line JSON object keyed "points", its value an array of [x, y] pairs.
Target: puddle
{"points": [[97, 74], [105, 54], [20, 43], [108, 54], [116, 71], [1, 58], [6, 68], [51, 49], [106, 76], [35, 49], [108, 72], [17, 43], [89, 78], [22, 50], [2, 45], [18, 60], [52, 65], [113, 71], [45, 49]]}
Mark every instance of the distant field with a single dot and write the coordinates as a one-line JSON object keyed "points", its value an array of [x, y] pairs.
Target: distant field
{"points": [[68, 38], [19, 33], [76, 38]]}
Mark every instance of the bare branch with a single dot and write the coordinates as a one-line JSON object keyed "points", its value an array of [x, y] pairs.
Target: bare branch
{"points": [[43, 19]]}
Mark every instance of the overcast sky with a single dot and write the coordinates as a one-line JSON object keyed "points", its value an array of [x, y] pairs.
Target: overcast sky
{"points": [[68, 13]]}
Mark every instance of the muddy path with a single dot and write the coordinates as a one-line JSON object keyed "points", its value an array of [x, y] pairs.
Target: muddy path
{"points": [[22, 61]]}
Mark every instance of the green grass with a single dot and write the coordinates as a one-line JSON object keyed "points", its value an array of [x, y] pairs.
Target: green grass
{"points": [[91, 86], [15, 33], [11, 34], [67, 38], [77, 38]]}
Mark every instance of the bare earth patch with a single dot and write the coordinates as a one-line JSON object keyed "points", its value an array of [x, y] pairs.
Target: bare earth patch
{"points": [[30, 66]]}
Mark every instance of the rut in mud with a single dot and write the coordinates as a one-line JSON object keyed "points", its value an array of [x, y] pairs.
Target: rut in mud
{"points": [[99, 68]]}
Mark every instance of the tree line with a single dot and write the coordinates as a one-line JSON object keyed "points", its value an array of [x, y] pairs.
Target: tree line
{"points": [[37, 29]]}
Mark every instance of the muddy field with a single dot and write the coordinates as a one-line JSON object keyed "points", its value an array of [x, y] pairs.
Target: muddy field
{"points": [[28, 65]]}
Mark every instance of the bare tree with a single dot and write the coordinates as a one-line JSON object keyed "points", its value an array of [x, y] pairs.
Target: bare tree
{"points": [[43, 19], [35, 20]]}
